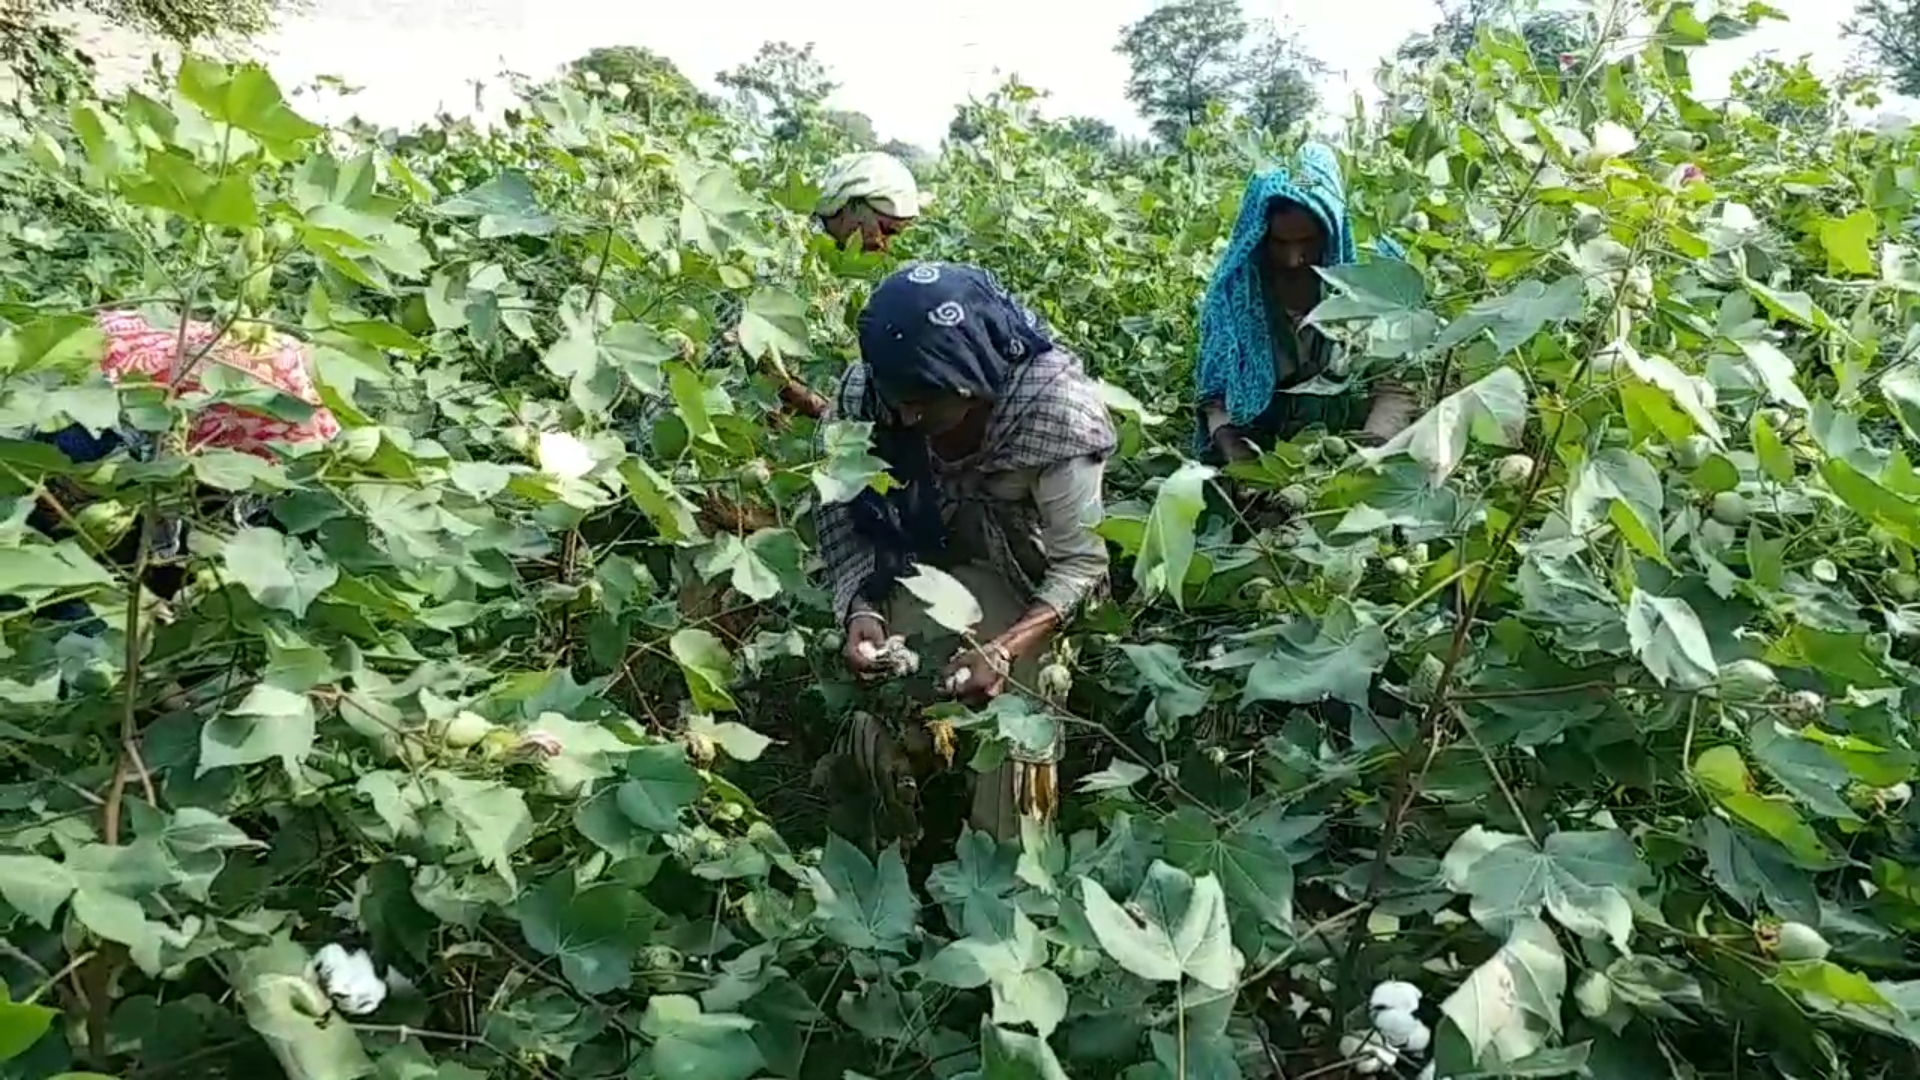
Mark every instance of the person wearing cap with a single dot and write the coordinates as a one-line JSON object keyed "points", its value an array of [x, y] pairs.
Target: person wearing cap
{"points": [[871, 195]]}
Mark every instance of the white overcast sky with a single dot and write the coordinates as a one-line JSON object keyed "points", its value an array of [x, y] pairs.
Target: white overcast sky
{"points": [[414, 58]]}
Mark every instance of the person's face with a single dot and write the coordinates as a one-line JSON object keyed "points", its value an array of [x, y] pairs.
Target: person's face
{"points": [[876, 230], [1294, 243], [931, 416]]}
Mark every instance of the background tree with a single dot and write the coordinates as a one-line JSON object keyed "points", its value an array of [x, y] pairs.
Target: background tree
{"points": [[656, 87], [1276, 80], [1549, 34], [856, 126], [1185, 56], [784, 84], [1888, 33], [180, 21]]}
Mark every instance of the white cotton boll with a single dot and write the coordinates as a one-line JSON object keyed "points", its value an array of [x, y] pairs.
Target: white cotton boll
{"points": [[1397, 1026], [1897, 795], [867, 650], [1610, 140], [1367, 1055], [959, 679], [1393, 994], [562, 455], [350, 979], [1421, 1038]]}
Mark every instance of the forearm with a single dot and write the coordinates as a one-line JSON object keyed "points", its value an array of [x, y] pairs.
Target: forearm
{"points": [[1030, 633], [1390, 409]]}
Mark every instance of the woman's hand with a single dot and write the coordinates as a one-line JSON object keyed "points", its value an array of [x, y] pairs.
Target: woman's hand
{"points": [[867, 646], [977, 676]]}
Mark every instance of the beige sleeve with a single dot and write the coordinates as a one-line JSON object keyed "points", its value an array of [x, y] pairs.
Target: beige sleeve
{"points": [[1217, 416], [1069, 498], [1391, 409]]}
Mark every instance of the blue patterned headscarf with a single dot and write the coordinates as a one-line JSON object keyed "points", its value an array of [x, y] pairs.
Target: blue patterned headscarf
{"points": [[930, 330], [1236, 362]]}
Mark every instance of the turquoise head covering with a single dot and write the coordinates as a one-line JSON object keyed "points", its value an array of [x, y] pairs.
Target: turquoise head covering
{"points": [[1236, 363]]}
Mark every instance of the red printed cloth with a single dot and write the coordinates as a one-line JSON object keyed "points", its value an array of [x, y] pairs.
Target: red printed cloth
{"points": [[135, 346]]}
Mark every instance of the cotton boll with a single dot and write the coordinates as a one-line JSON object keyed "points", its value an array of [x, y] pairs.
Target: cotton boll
{"points": [[350, 979], [1398, 1027], [564, 456], [1368, 1056], [1610, 140], [1393, 994]]}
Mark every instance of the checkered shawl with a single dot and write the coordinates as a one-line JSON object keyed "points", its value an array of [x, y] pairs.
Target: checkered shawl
{"points": [[1048, 413]]}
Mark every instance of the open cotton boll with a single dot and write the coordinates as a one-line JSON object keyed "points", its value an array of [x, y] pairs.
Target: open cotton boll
{"points": [[349, 979], [1610, 140], [1401, 1029], [562, 455], [1369, 1057], [1396, 995]]}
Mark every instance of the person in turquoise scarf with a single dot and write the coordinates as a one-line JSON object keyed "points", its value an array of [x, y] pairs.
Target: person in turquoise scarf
{"points": [[1253, 346]]}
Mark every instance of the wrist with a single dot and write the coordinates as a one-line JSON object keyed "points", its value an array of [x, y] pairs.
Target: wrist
{"points": [[871, 616]]}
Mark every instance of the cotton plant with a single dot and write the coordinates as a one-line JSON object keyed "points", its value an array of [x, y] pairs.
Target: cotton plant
{"points": [[350, 979], [1395, 1032]]}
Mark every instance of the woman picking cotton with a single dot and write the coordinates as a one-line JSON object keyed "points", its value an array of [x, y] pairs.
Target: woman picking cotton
{"points": [[136, 350], [997, 443], [870, 195], [1257, 354]]}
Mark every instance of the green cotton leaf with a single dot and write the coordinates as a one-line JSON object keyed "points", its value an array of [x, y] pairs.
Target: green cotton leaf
{"points": [[1513, 319], [1005, 951], [1010, 1055], [1849, 243], [174, 183], [689, 1044], [1162, 672], [1795, 307], [849, 467], [689, 393], [708, 667], [1866, 497], [42, 569], [270, 723], [1753, 870], [673, 515], [774, 324], [502, 206], [1620, 487], [492, 816], [948, 602], [1492, 411], [35, 886], [738, 741], [1901, 389], [1667, 636], [748, 573], [1166, 550], [1687, 392], [246, 97], [590, 931], [1776, 372], [1774, 456], [277, 570], [1585, 880], [864, 905], [1804, 768], [1372, 289], [980, 879], [590, 751], [69, 344], [1312, 661], [1249, 859], [660, 784], [1722, 773], [1175, 927], [293, 1016], [592, 360], [1510, 1005], [22, 1025], [480, 479]]}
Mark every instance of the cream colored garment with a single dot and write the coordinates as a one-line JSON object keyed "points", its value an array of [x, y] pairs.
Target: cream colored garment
{"points": [[879, 180]]}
